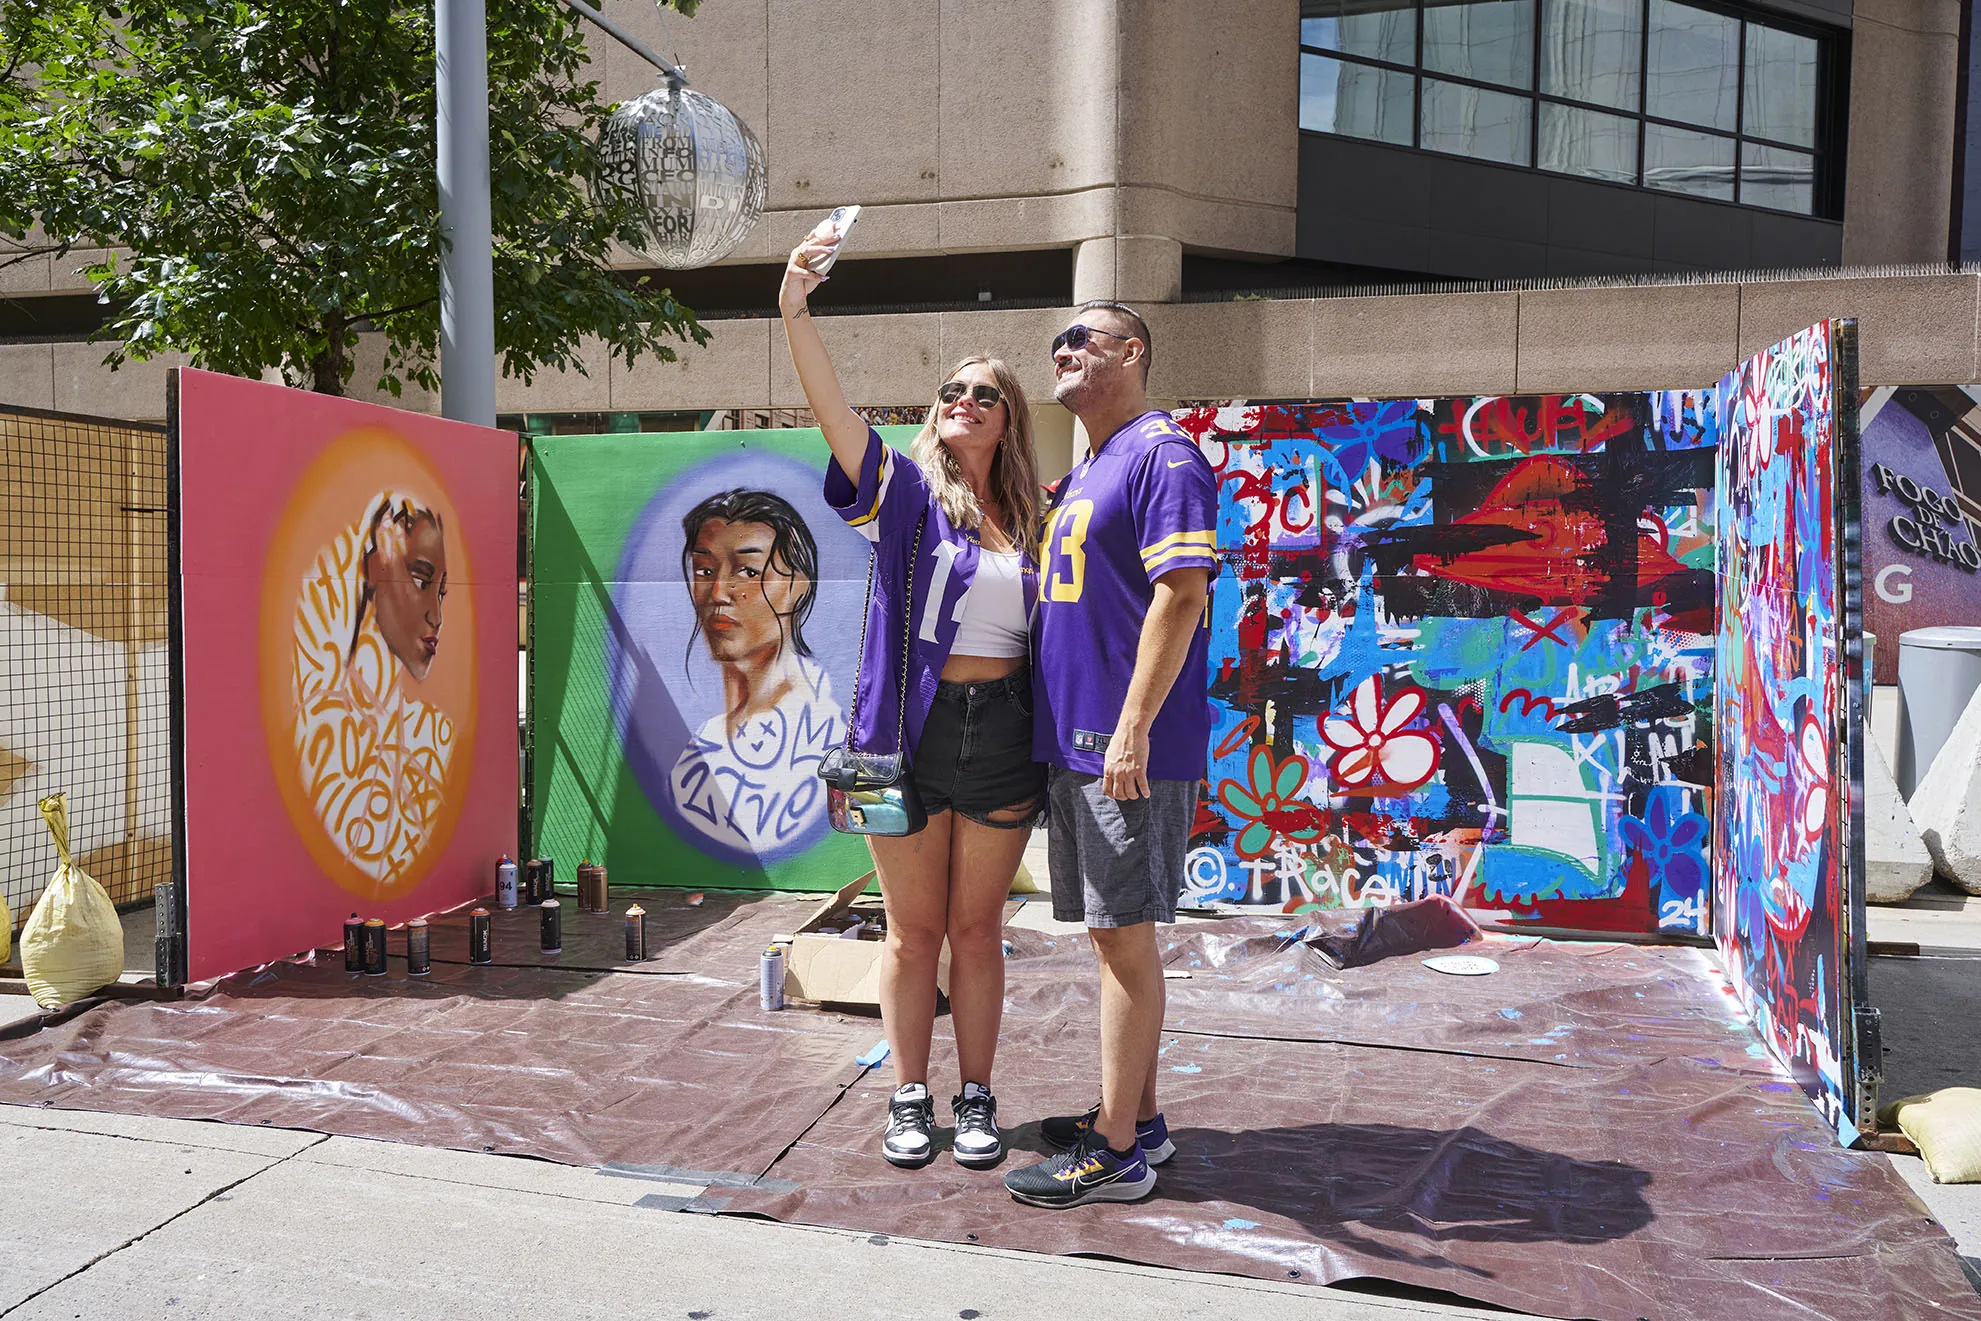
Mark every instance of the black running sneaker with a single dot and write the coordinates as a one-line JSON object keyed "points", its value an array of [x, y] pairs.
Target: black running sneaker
{"points": [[910, 1139], [1063, 1131], [1087, 1173], [977, 1143]]}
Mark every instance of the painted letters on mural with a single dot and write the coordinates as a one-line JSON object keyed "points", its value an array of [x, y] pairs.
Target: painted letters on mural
{"points": [[1463, 647], [1780, 851]]}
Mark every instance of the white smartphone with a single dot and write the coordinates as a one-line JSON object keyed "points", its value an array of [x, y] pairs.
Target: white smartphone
{"points": [[841, 220]]}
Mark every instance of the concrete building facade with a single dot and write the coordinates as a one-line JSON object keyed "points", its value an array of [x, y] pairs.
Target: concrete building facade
{"points": [[1209, 163]]}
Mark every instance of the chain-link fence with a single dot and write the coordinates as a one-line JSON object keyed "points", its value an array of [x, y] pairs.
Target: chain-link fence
{"points": [[85, 697]]}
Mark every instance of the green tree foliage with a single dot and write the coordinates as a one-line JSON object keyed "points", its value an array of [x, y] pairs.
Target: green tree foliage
{"points": [[267, 166]]}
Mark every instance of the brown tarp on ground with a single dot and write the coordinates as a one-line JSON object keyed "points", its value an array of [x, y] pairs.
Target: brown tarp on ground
{"points": [[1588, 1132]]}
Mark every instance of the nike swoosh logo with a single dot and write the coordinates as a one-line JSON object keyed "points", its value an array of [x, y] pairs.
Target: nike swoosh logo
{"points": [[1178, 464]]}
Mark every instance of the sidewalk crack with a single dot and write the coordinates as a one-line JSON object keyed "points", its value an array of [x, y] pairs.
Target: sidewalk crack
{"points": [[139, 1238]]}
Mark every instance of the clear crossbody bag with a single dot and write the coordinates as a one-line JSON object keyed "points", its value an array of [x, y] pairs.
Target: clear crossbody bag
{"points": [[873, 793]]}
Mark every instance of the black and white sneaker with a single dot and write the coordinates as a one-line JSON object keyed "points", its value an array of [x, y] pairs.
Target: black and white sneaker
{"points": [[910, 1139], [977, 1143], [1063, 1131], [1087, 1173]]}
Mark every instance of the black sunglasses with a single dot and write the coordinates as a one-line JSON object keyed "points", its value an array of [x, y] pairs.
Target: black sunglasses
{"points": [[987, 396], [1076, 337]]}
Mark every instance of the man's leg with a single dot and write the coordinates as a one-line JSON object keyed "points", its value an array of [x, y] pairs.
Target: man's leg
{"points": [[1132, 996]]}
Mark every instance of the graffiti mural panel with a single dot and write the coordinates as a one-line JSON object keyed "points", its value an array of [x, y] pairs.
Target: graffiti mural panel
{"points": [[677, 724], [1786, 710], [347, 580], [1463, 647]]}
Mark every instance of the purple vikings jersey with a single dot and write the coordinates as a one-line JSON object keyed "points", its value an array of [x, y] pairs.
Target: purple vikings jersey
{"points": [[889, 501], [1146, 504]]}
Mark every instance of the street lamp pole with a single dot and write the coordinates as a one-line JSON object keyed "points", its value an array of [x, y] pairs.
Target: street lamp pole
{"points": [[467, 269]]}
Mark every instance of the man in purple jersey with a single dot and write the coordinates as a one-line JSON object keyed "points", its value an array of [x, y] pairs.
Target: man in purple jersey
{"points": [[1122, 718]]}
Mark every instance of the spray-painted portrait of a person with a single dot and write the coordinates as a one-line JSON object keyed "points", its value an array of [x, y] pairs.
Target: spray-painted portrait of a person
{"points": [[747, 778], [373, 756]]}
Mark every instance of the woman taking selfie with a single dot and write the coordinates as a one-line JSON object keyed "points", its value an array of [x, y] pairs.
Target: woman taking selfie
{"points": [[955, 539]]}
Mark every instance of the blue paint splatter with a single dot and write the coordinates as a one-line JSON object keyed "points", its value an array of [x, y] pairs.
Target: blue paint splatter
{"points": [[1237, 1223], [1511, 1013], [1186, 1068]]}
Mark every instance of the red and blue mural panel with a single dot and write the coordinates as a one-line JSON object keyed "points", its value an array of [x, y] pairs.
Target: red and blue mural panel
{"points": [[1464, 647], [1784, 714]]}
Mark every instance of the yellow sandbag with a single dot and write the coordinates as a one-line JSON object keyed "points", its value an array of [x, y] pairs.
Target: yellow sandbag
{"points": [[1023, 882], [72, 945], [6, 930], [1946, 1127]]}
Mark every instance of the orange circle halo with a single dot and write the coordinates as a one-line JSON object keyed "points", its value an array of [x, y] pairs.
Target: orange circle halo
{"points": [[330, 499]]}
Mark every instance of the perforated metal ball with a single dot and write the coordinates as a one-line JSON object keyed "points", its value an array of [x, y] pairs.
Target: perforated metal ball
{"points": [[695, 169]]}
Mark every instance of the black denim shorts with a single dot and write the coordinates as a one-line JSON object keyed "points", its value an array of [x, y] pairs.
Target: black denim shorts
{"points": [[976, 753]]}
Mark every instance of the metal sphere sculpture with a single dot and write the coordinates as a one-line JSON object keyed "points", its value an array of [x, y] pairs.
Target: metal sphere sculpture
{"points": [[694, 170]]}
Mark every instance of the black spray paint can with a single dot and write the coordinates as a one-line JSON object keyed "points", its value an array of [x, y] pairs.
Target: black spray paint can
{"points": [[532, 891], [374, 942], [553, 927], [636, 934], [354, 943], [419, 948], [481, 937], [549, 879]]}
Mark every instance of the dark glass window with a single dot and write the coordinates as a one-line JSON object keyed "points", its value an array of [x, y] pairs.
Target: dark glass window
{"points": [[1698, 99]]}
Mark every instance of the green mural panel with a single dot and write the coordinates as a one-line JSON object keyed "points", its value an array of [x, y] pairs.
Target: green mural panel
{"points": [[683, 686]]}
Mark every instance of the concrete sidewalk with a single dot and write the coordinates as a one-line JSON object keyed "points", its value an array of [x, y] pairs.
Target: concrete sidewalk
{"points": [[116, 1216], [113, 1216]]}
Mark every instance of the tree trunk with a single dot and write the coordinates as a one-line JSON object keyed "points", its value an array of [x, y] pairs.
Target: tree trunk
{"points": [[330, 367]]}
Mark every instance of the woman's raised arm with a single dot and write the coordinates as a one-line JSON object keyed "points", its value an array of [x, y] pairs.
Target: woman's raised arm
{"points": [[844, 431]]}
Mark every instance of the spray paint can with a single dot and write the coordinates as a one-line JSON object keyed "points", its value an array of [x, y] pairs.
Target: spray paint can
{"points": [[636, 934], [374, 943], [549, 880], [553, 927], [533, 881], [770, 978], [419, 948], [505, 883], [591, 888], [354, 943], [481, 937]]}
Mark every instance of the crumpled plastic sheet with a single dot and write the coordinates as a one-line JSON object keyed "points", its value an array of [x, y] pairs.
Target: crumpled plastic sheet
{"points": [[1374, 934], [588, 1068], [1590, 1132]]}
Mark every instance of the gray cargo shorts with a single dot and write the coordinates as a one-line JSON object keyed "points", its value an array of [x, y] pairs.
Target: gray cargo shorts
{"points": [[1116, 862]]}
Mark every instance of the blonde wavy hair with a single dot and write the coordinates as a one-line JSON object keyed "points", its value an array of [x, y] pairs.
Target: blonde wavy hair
{"points": [[1014, 473]]}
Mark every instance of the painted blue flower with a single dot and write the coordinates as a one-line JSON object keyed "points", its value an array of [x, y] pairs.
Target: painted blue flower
{"points": [[1669, 846]]}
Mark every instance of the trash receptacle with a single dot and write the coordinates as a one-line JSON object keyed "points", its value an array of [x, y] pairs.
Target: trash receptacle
{"points": [[1939, 669]]}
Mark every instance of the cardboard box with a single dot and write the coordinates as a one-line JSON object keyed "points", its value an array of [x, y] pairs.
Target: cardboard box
{"points": [[824, 967]]}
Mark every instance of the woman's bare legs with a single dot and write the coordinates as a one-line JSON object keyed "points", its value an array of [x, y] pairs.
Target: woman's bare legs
{"points": [[982, 861], [914, 882]]}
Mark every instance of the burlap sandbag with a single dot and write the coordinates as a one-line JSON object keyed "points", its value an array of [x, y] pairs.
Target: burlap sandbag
{"points": [[1945, 1126], [72, 945]]}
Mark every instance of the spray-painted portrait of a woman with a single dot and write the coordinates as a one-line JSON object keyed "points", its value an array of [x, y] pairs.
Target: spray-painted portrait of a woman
{"points": [[373, 757]]}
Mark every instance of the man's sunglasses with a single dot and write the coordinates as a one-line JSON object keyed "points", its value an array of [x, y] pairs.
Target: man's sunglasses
{"points": [[986, 396], [1076, 337]]}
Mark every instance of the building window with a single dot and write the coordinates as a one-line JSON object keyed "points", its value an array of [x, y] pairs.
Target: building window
{"points": [[1659, 94]]}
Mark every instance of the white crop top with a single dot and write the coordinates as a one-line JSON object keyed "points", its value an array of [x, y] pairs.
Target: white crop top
{"points": [[993, 610]]}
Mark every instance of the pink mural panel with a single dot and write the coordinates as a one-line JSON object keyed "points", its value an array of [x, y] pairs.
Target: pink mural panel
{"points": [[348, 659]]}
